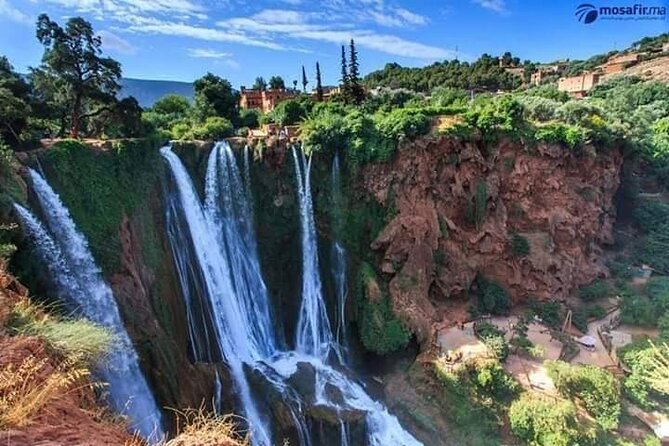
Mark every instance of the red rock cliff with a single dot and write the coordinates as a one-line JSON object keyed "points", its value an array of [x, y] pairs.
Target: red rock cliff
{"points": [[560, 202]]}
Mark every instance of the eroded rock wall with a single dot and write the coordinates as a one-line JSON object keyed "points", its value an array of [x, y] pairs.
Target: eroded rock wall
{"points": [[446, 230]]}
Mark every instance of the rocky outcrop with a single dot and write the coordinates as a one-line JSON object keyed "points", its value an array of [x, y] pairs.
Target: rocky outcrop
{"points": [[458, 206]]}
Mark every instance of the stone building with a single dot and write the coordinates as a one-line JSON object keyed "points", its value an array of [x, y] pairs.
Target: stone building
{"points": [[578, 86], [264, 100]]}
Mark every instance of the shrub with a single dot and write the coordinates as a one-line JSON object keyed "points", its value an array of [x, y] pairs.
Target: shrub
{"points": [[494, 339], [594, 291], [636, 309], [657, 290], [380, 329], [519, 245], [548, 312], [560, 133], [215, 127], [492, 298], [403, 123], [491, 379], [543, 422], [650, 215], [538, 108], [653, 250], [249, 117], [576, 112], [180, 130], [594, 386]]}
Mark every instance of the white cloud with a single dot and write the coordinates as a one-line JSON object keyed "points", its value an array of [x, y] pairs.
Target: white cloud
{"points": [[493, 5], [273, 24], [116, 7], [207, 53], [9, 12], [411, 17], [112, 42]]}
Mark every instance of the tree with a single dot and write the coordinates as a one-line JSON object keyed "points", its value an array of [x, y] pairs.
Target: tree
{"points": [[72, 55], [344, 71], [277, 83], [14, 103], [304, 80], [356, 92], [319, 84], [214, 96], [260, 83], [172, 104], [295, 84]]}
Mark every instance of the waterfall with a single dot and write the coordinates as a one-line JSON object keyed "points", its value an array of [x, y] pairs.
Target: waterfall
{"points": [[89, 295], [314, 335], [236, 334], [220, 237], [338, 254]]}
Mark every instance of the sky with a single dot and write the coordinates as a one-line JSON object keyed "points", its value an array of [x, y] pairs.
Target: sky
{"points": [[241, 39]]}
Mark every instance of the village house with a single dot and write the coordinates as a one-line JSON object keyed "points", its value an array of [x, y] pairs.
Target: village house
{"points": [[263, 100], [578, 86], [545, 71], [620, 63]]}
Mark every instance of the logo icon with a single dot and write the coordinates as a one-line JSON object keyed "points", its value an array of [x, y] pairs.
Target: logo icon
{"points": [[586, 13]]}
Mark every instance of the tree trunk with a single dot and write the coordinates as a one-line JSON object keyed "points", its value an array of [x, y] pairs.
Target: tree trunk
{"points": [[76, 112]]}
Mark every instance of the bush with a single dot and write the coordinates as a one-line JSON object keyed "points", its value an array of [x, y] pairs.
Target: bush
{"points": [[576, 112], [544, 422], [650, 215], [380, 329], [492, 298], [636, 309], [493, 338], [594, 291], [201, 427], [653, 250], [491, 379], [519, 245], [403, 123], [548, 312], [538, 108], [215, 127], [594, 386], [249, 117], [657, 290], [560, 133]]}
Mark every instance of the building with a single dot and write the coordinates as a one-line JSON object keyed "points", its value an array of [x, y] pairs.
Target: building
{"points": [[578, 86], [264, 100], [620, 63], [546, 71], [328, 92]]}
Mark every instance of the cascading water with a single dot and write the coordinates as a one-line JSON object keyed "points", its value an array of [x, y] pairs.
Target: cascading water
{"points": [[236, 333], [77, 276], [221, 240], [338, 255], [314, 335]]}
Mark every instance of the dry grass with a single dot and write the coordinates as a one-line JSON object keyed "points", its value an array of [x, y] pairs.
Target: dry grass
{"points": [[203, 429], [24, 389]]}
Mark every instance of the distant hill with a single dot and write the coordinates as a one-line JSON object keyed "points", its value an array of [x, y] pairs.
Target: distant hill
{"points": [[147, 92]]}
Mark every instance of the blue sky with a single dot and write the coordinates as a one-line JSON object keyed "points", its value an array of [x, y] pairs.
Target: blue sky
{"points": [[241, 39]]}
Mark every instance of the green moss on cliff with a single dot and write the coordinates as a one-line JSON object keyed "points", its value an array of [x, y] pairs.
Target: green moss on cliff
{"points": [[380, 330], [100, 187]]}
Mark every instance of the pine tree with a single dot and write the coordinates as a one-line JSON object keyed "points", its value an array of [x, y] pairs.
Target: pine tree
{"points": [[304, 80], [344, 72], [319, 85], [356, 91]]}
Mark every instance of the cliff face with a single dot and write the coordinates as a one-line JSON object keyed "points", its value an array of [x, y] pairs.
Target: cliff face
{"points": [[460, 211]]}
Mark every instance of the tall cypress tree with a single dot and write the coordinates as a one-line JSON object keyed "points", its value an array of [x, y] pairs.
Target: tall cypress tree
{"points": [[304, 80], [356, 92], [319, 85], [344, 71]]}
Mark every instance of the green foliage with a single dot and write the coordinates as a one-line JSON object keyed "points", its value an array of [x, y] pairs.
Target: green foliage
{"points": [[549, 312], [595, 387], [173, 105], [475, 212], [636, 309], [559, 133], [503, 114], [214, 127], [596, 290], [99, 188], [290, 112], [493, 337], [538, 108], [539, 421], [380, 330], [657, 290], [77, 338], [403, 123], [483, 74], [214, 96], [14, 103], [85, 81], [650, 215], [653, 250], [492, 298], [519, 245], [250, 118]]}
